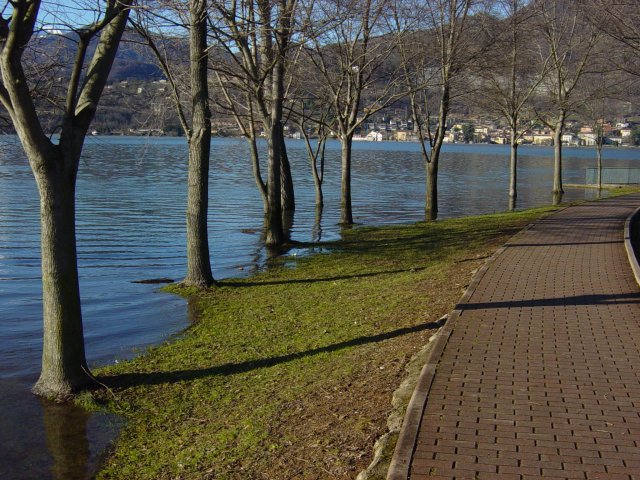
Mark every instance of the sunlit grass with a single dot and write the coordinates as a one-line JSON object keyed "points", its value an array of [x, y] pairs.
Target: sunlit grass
{"points": [[289, 374]]}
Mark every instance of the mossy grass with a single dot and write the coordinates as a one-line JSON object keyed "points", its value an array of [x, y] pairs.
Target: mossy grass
{"points": [[289, 373]]}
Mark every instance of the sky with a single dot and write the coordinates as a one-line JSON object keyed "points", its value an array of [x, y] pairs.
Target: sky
{"points": [[60, 15]]}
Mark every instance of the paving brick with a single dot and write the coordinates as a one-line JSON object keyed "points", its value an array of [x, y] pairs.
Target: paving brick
{"points": [[538, 377]]}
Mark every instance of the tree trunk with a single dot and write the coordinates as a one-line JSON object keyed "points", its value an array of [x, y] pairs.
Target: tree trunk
{"points": [[317, 171], [557, 157], [319, 196], [431, 201], [55, 168], [599, 167], [257, 175], [64, 367], [513, 172], [318, 176], [198, 259], [273, 220], [346, 213], [288, 196], [274, 87], [431, 205], [316, 231]]}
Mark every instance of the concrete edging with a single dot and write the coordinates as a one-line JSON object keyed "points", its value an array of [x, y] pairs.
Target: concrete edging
{"points": [[631, 254], [401, 460]]}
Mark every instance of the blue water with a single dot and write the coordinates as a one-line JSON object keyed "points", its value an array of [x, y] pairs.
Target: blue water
{"points": [[131, 200]]}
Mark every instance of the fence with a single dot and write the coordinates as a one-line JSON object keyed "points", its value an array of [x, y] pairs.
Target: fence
{"points": [[614, 175]]}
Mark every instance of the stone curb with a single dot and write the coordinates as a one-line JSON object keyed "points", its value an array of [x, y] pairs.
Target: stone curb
{"points": [[401, 461], [633, 259]]}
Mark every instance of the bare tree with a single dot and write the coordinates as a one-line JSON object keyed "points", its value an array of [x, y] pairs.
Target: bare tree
{"points": [[433, 59], [567, 42], [55, 167], [256, 36], [619, 19], [593, 111], [508, 78], [312, 118], [347, 50], [195, 120]]}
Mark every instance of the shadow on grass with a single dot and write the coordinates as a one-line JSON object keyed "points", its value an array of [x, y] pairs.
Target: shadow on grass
{"points": [[157, 378], [231, 283]]}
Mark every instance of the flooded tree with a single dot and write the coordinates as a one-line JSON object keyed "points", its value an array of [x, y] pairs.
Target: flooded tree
{"points": [[350, 58], [433, 58], [311, 118], [55, 162], [191, 102], [255, 37], [509, 77], [567, 41]]}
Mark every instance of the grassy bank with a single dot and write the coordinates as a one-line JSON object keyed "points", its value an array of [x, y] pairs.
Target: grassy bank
{"points": [[289, 374]]}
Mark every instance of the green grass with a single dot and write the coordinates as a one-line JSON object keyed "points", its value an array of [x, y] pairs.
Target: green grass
{"points": [[289, 374], [621, 190]]}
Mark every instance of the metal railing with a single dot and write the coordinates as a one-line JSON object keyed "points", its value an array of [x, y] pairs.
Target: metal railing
{"points": [[614, 175]]}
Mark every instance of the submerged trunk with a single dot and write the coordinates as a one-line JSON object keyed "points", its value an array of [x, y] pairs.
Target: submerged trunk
{"points": [[198, 260], [431, 205], [317, 184], [346, 213], [257, 175], [288, 196], [599, 167], [317, 171], [316, 231], [287, 223], [55, 167], [513, 172], [64, 367], [557, 157], [274, 234]]}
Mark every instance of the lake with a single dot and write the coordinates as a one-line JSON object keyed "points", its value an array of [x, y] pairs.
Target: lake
{"points": [[131, 200]]}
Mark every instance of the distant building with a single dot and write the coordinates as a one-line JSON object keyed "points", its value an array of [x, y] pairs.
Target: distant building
{"points": [[538, 136], [370, 137], [500, 138], [406, 136], [376, 136], [570, 139], [542, 139], [588, 139]]}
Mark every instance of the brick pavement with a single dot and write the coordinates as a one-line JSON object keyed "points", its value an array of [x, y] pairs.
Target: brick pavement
{"points": [[540, 376]]}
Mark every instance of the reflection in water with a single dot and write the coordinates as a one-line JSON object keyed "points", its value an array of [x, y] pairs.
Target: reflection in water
{"points": [[65, 429], [193, 310], [42, 440]]}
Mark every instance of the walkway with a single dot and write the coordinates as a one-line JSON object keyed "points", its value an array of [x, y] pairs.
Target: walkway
{"points": [[540, 376]]}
